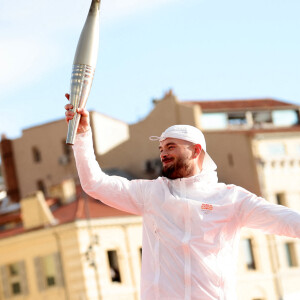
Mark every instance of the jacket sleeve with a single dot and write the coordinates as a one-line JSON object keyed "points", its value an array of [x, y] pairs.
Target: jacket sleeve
{"points": [[114, 191], [255, 212]]}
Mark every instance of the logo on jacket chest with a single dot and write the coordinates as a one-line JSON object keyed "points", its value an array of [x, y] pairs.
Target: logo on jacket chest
{"points": [[206, 208]]}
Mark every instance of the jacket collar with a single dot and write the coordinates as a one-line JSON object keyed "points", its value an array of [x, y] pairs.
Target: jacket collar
{"points": [[204, 177]]}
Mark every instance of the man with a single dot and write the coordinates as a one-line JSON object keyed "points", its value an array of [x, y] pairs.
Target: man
{"points": [[191, 223]]}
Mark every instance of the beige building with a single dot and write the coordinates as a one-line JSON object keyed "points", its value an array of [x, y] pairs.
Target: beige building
{"points": [[72, 249], [40, 158], [255, 143]]}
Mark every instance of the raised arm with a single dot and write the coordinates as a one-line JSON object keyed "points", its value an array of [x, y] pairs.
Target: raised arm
{"points": [[114, 191]]}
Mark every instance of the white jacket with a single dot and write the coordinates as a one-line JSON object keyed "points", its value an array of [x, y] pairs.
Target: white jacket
{"points": [[191, 226]]}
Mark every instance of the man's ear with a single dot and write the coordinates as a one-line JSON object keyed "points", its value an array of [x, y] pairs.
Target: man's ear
{"points": [[197, 150]]}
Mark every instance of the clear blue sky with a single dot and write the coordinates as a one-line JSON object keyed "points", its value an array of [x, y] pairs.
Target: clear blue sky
{"points": [[202, 49]]}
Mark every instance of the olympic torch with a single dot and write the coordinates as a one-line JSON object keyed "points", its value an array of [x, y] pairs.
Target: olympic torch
{"points": [[84, 65]]}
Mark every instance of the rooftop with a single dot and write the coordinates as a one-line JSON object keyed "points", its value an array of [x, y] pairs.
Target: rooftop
{"points": [[83, 208], [246, 104]]}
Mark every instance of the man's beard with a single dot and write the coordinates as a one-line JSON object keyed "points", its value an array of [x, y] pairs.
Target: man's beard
{"points": [[179, 169]]}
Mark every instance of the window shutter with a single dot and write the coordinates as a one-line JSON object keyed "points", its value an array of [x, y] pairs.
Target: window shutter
{"points": [[5, 283], [39, 273], [23, 276], [59, 269]]}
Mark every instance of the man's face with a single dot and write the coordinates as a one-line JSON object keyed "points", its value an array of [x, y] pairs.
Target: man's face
{"points": [[177, 158]]}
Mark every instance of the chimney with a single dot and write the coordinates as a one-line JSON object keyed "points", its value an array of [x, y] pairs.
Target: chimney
{"points": [[65, 191], [35, 211]]}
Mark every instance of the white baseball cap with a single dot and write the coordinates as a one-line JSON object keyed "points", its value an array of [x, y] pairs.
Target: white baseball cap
{"points": [[190, 134]]}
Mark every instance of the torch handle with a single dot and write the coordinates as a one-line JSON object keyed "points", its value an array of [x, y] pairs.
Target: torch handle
{"points": [[81, 82]]}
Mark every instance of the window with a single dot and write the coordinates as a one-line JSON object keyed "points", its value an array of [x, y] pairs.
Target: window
{"points": [[230, 160], [291, 256], [276, 149], [14, 280], [41, 186], [248, 254], [114, 266], [262, 117], [237, 118], [37, 157], [153, 166], [281, 199], [285, 117], [48, 271], [214, 121], [14, 274], [141, 252], [67, 151]]}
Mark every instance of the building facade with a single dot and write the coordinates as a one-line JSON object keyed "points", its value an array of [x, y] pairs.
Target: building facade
{"points": [[81, 250], [40, 158], [255, 143]]}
